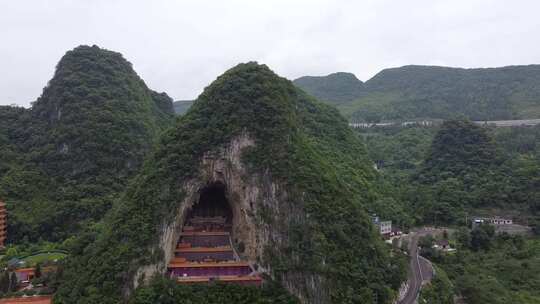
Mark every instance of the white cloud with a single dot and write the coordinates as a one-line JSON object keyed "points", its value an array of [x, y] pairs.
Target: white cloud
{"points": [[181, 46]]}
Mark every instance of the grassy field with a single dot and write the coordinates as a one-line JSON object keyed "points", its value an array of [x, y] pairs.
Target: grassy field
{"points": [[44, 257]]}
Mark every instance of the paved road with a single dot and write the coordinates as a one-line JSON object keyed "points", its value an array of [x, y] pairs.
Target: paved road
{"points": [[428, 123], [421, 269], [510, 123]]}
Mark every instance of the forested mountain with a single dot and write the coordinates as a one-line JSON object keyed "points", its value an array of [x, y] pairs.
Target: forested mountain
{"points": [[460, 148], [414, 92], [75, 148], [97, 117], [446, 174], [440, 174], [299, 178]]}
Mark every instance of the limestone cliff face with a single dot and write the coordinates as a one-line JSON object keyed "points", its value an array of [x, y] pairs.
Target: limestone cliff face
{"points": [[252, 197]]}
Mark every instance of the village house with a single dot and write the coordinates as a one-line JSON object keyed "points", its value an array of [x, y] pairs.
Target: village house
{"points": [[497, 221], [25, 275], [385, 227]]}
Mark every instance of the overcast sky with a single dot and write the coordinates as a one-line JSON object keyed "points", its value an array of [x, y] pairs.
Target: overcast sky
{"points": [[181, 46]]}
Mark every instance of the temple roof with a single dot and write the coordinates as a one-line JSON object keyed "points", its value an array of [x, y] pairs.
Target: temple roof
{"points": [[209, 264], [204, 249]]}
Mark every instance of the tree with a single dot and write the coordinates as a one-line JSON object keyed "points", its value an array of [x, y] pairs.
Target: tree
{"points": [[4, 282], [426, 241], [37, 272], [14, 282], [463, 237], [479, 289], [439, 291], [460, 148], [11, 253], [481, 237]]}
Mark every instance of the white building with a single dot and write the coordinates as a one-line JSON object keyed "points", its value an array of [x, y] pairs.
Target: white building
{"points": [[385, 227], [497, 221]]}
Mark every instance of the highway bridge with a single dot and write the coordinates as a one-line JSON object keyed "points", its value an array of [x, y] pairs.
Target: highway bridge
{"points": [[435, 122]]}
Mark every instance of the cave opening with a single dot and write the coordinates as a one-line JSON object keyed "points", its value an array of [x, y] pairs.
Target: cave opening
{"points": [[205, 251], [212, 212]]}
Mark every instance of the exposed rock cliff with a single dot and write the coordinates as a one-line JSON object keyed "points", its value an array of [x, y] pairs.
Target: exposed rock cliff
{"points": [[249, 195]]}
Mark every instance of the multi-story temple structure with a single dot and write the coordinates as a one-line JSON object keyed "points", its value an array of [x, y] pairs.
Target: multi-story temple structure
{"points": [[205, 251]]}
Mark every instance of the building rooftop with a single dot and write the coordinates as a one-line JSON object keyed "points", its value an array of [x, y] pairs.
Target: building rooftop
{"points": [[25, 270], [442, 242], [204, 249], [209, 264], [32, 300], [203, 233], [203, 279]]}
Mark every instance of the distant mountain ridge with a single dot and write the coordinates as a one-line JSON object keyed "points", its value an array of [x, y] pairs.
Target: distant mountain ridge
{"points": [[413, 92], [181, 106], [339, 86]]}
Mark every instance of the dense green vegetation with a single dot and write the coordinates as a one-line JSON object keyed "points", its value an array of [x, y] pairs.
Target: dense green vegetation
{"points": [[446, 172], [10, 125], [166, 291], [439, 291], [413, 92], [398, 151], [64, 161], [306, 146], [459, 148], [336, 87], [493, 269], [181, 106]]}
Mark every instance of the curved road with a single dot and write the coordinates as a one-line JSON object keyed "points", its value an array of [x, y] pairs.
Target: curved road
{"points": [[421, 269]]}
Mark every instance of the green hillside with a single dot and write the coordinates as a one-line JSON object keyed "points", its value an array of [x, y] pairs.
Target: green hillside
{"points": [[337, 87], [78, 144], [11, 125], [439, 174], [319, 219], [181, 106], [415, 92], [460, 148]]}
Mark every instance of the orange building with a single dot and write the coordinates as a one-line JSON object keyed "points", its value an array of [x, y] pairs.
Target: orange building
{"points": [[25, 275], [28, 300], [3, 223]]}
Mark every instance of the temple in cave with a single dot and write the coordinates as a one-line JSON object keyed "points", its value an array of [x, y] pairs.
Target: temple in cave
{"points": [[205, 252]]}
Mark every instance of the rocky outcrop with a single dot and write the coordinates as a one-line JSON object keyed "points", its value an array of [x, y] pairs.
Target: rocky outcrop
{"points": [[250, 195]]}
